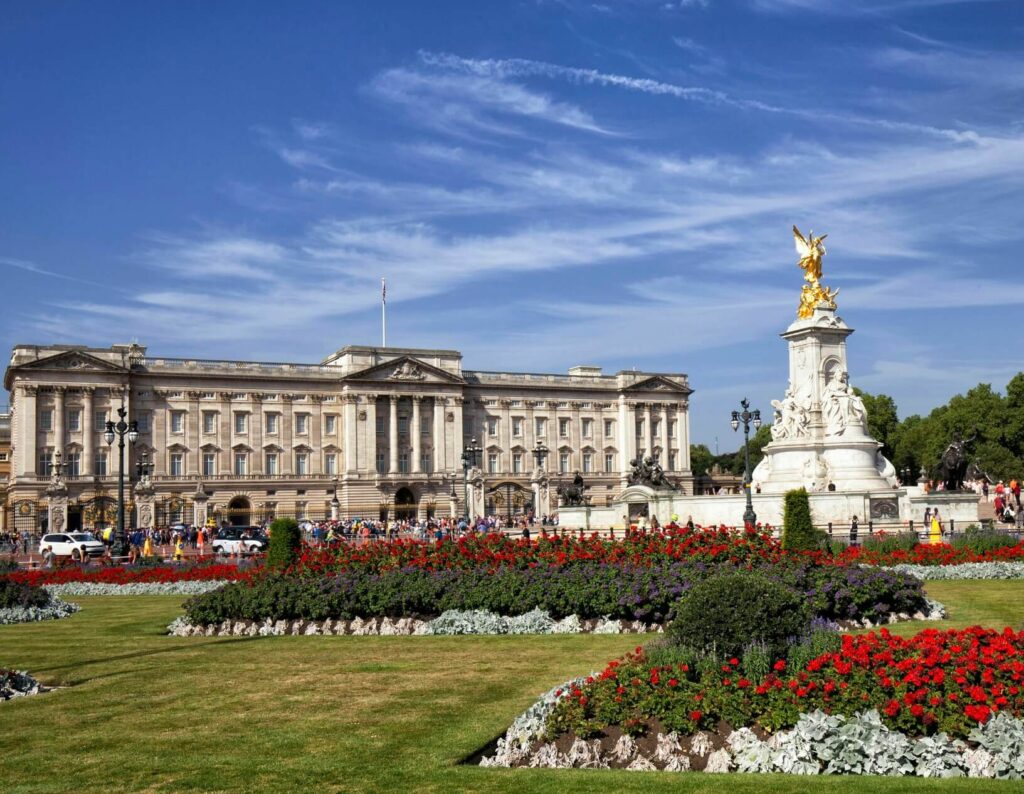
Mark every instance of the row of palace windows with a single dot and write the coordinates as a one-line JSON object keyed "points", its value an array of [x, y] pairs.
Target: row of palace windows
{"points": [[492, 425], [73, 420], [271, 464], [271, 423]]}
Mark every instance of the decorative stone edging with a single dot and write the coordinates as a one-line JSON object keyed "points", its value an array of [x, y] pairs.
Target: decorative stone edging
{"points": [[55, 610], [453, 622], [817, 744], [190, 587], [17, 684]]}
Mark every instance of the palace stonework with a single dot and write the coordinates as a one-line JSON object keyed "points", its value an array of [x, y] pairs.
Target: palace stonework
{"points": [[370, 431]]}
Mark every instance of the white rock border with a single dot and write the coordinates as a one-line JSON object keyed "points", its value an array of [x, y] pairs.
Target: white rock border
{"points": [[451, 623], [819, 744]]}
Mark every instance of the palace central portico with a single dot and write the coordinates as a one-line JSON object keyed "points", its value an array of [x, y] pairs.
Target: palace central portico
{"points": [[370, 431]]}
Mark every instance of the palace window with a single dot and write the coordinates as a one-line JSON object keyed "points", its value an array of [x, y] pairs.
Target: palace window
{"points": [[492, 426], [492, 462], [382, 463], [302, 463], [330, 463], [609, 428], [209, 422], [588, 428], [74, 420], [563, 463], [271, 420], [588, 463], [301, 424], [426, 463], [142, 419], [517, 426], [271, 464], [656, 426], [241, 464], [517, 463], [177, 421], [99, 421], [403, 462], [73, 460], [609, 462], [43, 462], [240, 421], [99, 464], [209, 464], [46, 419], [563, 428], [541, 427], [301, 508], [639, 428], [177, 468], [672, 460], [403, 424], [672, 427], [380, 425], [330, 424]]}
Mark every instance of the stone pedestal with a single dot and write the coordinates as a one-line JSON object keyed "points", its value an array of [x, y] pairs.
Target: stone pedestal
{"points": [[145, 505], [819, 430], [57, 507], [541, 493]]}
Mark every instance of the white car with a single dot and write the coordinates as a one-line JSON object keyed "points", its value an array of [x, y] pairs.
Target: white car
{"points": [[233, 541], [77, 545]]}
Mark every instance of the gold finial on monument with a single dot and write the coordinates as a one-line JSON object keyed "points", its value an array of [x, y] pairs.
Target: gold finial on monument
{"points": [[811, 250]]}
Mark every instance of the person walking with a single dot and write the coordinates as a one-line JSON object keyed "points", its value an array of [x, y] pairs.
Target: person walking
{"points": [[854, 526], [179, 549], [935, 533]]}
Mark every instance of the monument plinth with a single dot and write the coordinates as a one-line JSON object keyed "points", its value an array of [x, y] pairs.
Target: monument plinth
{"points": [[820, 439]]}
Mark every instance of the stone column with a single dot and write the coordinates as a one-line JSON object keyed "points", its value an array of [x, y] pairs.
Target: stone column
{"points": [[554, 439], [287, 434], [88, 431], [459, 439], [225, 426], [256, 440], [316, 434], [145, 511], [370, 442], [349, 443], [683, 434], [529, 432], [648, 431], [437, 440], [200, 502], [393, 436], [193, 435], [159, 429], [576, 437], [25, 440], [58, 418], [505, 435], [664, 440], [415, 432], [57, 508]]}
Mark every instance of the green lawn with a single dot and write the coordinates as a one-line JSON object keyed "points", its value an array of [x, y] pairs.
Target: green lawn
{"points": [[144, 711]]}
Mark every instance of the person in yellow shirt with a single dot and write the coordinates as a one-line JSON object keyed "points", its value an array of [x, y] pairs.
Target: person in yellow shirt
{"points": [[147, 547], [179, 549], [935, 532]]}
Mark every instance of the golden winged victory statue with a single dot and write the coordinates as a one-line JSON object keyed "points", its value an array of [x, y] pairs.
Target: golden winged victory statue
{"points": [[811, 250]]}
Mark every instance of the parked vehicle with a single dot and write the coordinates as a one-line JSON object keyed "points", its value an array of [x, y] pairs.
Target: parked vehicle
{"points": [[233, 540], [77, 545]]}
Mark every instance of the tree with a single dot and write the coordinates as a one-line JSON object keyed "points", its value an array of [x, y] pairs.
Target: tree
{"points": [[701, 459], [285, 543], [798, 532], [883, 420]]}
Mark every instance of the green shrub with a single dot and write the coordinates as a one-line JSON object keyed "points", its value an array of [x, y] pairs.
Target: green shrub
{"points": [[885, 543], [285, 543], [798, 532], [981, 541], [19, 594], [730, 612]]}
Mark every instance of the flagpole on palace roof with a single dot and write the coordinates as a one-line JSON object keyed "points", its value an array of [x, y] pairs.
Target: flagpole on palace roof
{"points": [[383, 313]]}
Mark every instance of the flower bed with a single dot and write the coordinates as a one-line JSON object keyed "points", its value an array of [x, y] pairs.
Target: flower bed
{"points": [[936, 704], [936, 681], [185, 588], [16, 684], [589, 590], [960, 551], [121, 575], [25, 603]]}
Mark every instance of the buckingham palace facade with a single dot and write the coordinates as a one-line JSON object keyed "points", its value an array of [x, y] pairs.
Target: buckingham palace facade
{"points": [[370, 431]]}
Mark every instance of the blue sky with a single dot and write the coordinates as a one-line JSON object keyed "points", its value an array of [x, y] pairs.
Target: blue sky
{"points": [[543, 183]]}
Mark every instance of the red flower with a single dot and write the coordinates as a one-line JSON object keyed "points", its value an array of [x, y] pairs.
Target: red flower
{"points": [[893, 708], [695, 716]]}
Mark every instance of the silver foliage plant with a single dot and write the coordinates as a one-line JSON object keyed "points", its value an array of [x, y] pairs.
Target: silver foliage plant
{"points": [[55, 610], [819, 744], [136, 588], [966, 570], [16, 684]]}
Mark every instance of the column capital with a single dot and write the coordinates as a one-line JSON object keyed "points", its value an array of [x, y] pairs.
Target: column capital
{"points": [[197, 395], [318, 398], [348, 398], [88, 391], [394, 398], [30, 390], [417, 398]]}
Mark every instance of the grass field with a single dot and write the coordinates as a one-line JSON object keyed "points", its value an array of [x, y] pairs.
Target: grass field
{"points": [[140, 710]]}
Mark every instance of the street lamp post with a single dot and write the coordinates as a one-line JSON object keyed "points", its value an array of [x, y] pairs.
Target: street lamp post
{"points": [[746, 417], [120, 430], [144, 468], [469, 458]]}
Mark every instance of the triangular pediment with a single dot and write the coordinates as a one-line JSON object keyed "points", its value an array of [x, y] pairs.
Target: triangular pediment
{"points": [[404, 369], [73, 360], [658, 383]]}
